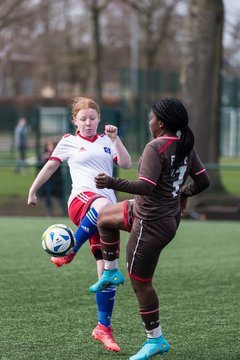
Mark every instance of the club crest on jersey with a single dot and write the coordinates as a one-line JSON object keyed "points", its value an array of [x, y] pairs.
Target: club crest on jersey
{"points": [[82, 149], [107, 150]]}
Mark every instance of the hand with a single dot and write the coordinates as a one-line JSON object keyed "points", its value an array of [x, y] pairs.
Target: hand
{"points": [[32, 199], [183, 204], [111, 131], [63, 260], [101, 180]]}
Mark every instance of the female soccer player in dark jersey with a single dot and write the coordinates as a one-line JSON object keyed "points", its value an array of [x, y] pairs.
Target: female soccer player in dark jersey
{"points": [[154, 215]]}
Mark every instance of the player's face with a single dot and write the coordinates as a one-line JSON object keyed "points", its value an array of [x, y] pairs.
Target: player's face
{"points": [[87, 122], [154, 125]]}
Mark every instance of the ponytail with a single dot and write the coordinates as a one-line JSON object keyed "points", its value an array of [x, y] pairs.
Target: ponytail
{"points": [[184, 147]]}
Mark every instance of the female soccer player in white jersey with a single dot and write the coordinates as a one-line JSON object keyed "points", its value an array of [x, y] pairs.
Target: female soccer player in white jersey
{"points": [[88, 154]]}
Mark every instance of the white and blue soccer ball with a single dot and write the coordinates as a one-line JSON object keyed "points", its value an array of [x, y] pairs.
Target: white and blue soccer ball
{"points": [[58, 240]]}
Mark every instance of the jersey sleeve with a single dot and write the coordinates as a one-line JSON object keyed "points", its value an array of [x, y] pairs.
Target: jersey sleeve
{"points": [[151, 166], [197, 166], [61, 151]]}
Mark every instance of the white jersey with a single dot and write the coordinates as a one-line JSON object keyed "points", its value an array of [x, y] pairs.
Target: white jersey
{"points": [[86, 158]]}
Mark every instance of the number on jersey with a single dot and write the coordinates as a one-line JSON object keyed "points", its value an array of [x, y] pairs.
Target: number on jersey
{"points": [[180, 175]]}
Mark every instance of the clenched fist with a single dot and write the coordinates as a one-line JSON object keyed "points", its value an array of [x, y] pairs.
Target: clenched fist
{"points": [[102, 180], [111, 131]]}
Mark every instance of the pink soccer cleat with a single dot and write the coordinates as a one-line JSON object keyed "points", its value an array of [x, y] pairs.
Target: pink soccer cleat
{"points": [[104, 334], [60, 261]]}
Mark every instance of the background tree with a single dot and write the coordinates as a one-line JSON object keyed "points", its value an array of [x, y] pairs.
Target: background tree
{"points": [[202, 63], [156, 37], [80, 50], [96, 7], [232, 49], [14, 15], [11, 12], [154, 18]]}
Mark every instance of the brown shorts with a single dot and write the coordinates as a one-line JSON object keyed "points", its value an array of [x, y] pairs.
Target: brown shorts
{"points": [[146, 241]]}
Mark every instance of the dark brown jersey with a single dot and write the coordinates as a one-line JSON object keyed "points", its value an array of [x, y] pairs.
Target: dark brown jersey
{"points": [[155, 166], [158, 185]]}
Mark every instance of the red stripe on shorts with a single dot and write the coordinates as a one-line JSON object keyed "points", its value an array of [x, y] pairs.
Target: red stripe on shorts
{"points": [[138, 278]]}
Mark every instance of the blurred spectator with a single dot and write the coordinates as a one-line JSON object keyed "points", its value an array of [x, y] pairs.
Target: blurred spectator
{"points": [[54, 186], [20, 137]]}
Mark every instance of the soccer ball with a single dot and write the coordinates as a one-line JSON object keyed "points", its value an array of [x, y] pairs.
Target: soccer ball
{"points": [[58, 240]]}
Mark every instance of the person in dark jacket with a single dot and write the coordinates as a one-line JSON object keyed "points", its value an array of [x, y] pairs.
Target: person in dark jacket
{"points": [[20, 137]]}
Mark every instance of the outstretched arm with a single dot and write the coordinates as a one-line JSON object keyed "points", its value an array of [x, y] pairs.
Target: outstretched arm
{"points": [[46, 172], [139, 187]]}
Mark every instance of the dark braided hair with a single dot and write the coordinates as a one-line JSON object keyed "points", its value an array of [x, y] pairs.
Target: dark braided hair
{"points": [[175, 117]]}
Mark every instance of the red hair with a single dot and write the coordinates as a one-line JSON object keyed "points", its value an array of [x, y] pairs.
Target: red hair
{"points": [[82, 103]]}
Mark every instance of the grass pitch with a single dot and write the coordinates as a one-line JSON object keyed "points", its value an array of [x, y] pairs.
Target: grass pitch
{"points": [[47, 313]]}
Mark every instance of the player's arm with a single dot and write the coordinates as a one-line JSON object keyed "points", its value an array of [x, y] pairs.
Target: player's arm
{"points": [[199, 180], [46, 172], [149, 173], [139, 187], [199, 183], [123, 158]]}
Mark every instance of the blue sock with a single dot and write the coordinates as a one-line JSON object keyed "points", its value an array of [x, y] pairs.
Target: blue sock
{"points": [[87, 228], [105, 303]]}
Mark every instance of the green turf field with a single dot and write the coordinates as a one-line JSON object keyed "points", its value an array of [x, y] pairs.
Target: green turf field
{"points": [[47, 313]]}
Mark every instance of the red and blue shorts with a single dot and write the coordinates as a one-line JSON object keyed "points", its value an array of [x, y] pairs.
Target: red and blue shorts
{"points": [[80, 206], [78, 209]]}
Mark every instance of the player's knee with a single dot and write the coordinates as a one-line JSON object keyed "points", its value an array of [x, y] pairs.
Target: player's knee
{"points": [[100, 203], [141, 286], [101, 219]]}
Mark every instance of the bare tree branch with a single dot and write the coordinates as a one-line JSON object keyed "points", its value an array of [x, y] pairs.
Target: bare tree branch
{"points": [[155, 18], [12, 15]]}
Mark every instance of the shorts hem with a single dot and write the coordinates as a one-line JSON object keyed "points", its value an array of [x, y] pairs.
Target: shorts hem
{"points": [[139, 278]]}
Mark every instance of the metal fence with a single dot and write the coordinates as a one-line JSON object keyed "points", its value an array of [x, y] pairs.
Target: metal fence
{"points": [[138, 88], [230, 132]]}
